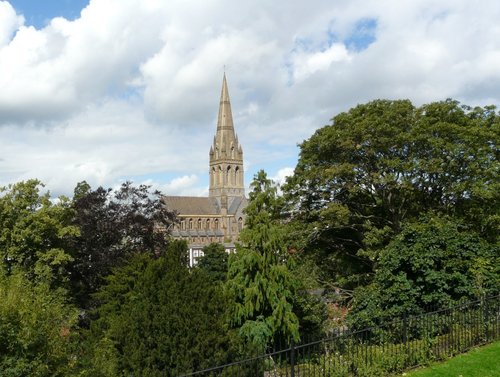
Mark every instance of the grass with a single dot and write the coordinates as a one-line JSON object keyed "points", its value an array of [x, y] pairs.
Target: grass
{"points": [[480, 362]]}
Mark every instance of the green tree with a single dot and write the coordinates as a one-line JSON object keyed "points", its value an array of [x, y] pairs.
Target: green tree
{"points": [[259, 281], [36, 328], [214, 261], [457, 164], [432, 263], [158, 318], [386, 162], [34, 232]]}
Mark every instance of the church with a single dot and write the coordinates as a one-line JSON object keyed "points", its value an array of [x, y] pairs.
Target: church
{"points": [[218, 217]]}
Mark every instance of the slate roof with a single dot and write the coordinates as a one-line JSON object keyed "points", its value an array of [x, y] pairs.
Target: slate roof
{"points": [[191, 205], [236, 204], [200, 206]]}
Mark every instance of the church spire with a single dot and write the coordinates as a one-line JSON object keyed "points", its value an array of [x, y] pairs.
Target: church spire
{"points": [[225, 125], [226, 154]]}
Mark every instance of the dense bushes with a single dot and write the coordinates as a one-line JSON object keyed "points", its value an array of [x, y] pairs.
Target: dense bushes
{"points": [[37, 328], [156, 317], [432, 263]]}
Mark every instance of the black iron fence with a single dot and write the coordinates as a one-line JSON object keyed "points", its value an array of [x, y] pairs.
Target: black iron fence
{"points": [[378, 351]]}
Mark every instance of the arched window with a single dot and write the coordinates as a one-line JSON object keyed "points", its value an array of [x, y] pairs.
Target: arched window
{"points": [[216, 224], [229, 179], [237, 176], [240, 224], [199, 223], [183, 225], [212, 177], [190, 223], [207, 224], [220, 176]]}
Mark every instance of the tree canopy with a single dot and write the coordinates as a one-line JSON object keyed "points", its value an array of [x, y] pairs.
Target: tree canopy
{"points": [[37, 328], [214, 262], [157, 318], [386, 162], [34, 233], [432, 263], [114, 225]]}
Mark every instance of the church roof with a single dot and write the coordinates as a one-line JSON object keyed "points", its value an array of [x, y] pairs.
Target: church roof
{"points": [[191, 205], [201, 206], [237, 201]]}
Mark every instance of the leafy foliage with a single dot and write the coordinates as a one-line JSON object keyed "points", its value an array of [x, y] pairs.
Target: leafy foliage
{"points": [[383, 163], [36, 329], [259, 280], [113, 226], [158, 318], [214, 262], [430, 264], [311, 312], [34, 233]]}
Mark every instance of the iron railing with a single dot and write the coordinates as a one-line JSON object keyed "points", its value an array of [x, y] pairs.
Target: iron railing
{"points": [[380, 350]]}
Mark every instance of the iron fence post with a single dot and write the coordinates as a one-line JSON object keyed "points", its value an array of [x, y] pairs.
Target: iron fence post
{"points": [[292, 358]]}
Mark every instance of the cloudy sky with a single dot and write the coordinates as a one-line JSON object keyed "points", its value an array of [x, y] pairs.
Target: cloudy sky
{"points": [[114, 90]]}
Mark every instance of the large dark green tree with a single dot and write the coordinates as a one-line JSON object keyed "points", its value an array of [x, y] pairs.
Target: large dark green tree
{"points": [[433, 263], [214, 262], [158, 318], [386, 162]]}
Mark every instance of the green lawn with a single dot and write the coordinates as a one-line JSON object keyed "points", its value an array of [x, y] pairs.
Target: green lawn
{"points": [[480, 362]]}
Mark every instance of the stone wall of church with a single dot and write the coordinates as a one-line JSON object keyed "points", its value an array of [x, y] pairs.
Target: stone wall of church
{"points": [[202, 230]]}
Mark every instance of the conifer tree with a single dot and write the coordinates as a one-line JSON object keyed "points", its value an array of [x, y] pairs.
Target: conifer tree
{"points": [[259, 281], [158, 318], [214, 262]]}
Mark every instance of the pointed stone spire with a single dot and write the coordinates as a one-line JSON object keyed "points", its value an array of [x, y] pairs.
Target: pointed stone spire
{"points": [[226, 154], [225, 128]]}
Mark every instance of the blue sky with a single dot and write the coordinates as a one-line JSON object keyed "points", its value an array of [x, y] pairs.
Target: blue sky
{"points": [[38, 13], [129, 89], [363, 35]]}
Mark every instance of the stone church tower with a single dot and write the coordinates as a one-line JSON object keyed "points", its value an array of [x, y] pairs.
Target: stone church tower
{"points": [[218, 217], [226, 157]]}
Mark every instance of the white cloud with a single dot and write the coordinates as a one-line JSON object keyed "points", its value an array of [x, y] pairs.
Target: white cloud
{"points": [[185, 185], [306, 64], [107, 143], [59, 69], [130, 89], [282, 175], [9, 22], [173, 86]]}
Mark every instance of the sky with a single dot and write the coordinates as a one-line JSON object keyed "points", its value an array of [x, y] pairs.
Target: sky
{"points": [[109, 91]]}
